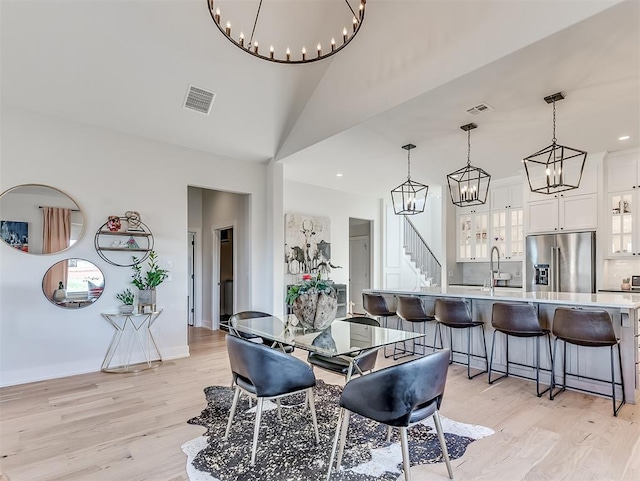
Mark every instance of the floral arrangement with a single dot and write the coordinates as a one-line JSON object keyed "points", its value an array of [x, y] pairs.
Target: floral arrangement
{"points": [[309, 284], [126, 297], [154, 276]]}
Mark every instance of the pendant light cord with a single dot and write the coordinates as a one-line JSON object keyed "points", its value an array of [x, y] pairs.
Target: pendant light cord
{"points": [[468, 147], [408, 164], [553, 140]]}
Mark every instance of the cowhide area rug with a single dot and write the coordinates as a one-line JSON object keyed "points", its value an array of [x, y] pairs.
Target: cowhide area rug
{"points": [[287, 449]]}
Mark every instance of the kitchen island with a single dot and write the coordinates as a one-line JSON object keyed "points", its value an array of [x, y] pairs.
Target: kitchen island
{"points": [[624, 309]]}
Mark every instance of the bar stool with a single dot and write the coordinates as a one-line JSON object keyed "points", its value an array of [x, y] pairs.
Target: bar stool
{"points": [[587, 328], [411, 309], [518, 320], [375, 305], [454, 314]]}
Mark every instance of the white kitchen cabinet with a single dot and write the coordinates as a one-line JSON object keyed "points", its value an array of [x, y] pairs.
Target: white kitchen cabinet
{"points": [[473, 237], [571, 210], [623, 183], [507, 233], [563, 213], [506, 197], [623, 231]]}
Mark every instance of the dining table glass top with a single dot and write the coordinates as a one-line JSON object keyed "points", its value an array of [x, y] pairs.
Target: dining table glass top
{"points": [[340, 338]]}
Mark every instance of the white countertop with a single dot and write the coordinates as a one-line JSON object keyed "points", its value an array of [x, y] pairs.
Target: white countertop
{"points": [[603, 299]]}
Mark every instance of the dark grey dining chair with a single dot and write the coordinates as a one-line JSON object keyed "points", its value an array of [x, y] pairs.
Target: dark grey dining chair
{"points": [[397, 396], [355, 363], [254, 337], [265, 373]]}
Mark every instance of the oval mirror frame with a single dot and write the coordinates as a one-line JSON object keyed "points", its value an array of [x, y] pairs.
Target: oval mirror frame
{"points": [[73, 283], [27, 210]]}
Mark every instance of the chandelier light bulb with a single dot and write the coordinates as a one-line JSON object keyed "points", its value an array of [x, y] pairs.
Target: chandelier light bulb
{"points": [[255, 47], [361, 10], [217, 15], [271, 51], [288, 54], [228, 29], [333, 44], [242, 39], [344, 34], [355, 23], [319, 50], [304, 53]]}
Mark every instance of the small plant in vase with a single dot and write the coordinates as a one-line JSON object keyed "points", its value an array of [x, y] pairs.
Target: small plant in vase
{"points": [[314, 302], [147, 282], [625, 286], [127, 298]]}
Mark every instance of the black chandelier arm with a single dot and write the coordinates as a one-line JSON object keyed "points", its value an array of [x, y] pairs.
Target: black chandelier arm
{"points": [[349, 6], [255, 22]]}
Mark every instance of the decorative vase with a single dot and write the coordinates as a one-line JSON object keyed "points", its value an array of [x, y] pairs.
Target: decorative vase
{"points": [[59, 295], [146, 297], [113, 223], [316, 309], [125, 308], [625, 286]]}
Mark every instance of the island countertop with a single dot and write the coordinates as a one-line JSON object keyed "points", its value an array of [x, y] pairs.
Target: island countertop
{"points": [[602, 299]]}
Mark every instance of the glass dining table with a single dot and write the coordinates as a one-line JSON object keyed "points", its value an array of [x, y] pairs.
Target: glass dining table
{"points": [[342, 338]]}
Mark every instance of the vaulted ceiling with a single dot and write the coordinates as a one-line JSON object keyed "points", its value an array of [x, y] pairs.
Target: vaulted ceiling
{"points": [[409, 76]]}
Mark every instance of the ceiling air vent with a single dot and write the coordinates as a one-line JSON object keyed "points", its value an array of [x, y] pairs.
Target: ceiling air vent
{"points": [[199, 100], [478, 109]]}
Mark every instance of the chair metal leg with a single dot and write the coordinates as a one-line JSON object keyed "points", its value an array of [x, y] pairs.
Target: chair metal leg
{"points": [[312, 408], [443, 444], [493, 345], [256, 430], [343, 436], [404, 443], [279, 409], [232, 413], [552, 394], [613, 383], [389, 433], [538, 392], [335, 442]]}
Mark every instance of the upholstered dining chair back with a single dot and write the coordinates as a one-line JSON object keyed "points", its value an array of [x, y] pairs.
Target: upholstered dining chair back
{"points": [[264, 371]]}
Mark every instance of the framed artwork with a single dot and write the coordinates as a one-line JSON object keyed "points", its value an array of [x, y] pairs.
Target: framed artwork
{"points": [[307, 243], [15, 233]]}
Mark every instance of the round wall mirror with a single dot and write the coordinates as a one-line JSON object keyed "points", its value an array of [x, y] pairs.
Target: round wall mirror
{"points": [[73, 283], [38, 219]]}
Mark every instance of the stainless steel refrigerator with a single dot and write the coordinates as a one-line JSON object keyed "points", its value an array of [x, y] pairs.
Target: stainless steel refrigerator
{"points": [[561, 262]]}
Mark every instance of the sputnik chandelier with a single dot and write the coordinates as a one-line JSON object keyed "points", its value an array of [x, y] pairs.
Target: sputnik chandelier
{"points": [[338, 37]]}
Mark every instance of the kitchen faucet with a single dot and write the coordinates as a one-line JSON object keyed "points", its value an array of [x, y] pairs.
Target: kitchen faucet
{"points": [[493, 272]]}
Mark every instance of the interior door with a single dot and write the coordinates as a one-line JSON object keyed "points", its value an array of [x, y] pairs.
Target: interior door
{"points": [[359, 271]]}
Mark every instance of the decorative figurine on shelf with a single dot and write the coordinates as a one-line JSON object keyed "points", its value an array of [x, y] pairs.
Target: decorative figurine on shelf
{"points": [[133, 219], [113, 223], [625, 286], [127, 298], [132, 244]]}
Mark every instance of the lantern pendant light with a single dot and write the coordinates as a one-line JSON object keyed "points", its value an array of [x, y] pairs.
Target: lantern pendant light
{"points": [[410, 197], [555, 168], [469, 185]]}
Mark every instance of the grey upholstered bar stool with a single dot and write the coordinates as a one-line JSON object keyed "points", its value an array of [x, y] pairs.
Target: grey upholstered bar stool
{"points": [[454, 314], [376, 306], [518, 320], [586, 328], [411, 312]]}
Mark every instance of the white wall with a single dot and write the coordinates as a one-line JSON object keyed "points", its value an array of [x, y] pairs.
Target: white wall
{"points": [[338, 206], [108, 173]]}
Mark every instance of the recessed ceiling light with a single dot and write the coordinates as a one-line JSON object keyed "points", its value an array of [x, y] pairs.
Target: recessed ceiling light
{"points": [[338, 175], [624, 137]]}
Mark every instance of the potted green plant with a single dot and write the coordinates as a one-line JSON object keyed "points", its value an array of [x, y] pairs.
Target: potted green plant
{"points": [[148, 281], [127, 298], [314, 302]]}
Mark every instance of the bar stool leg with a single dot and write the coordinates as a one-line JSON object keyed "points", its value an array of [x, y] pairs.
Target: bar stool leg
{"points": [[613, 382], [493, 343]]}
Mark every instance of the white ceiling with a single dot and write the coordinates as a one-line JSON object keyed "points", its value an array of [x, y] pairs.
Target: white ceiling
{"points": [[408, 76]]}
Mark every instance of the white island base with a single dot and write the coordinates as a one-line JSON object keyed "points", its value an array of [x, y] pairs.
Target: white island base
{"points": [[588, 362]]}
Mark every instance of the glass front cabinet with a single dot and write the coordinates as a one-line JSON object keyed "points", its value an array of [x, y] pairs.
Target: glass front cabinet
{"points": [[473, 236], [507, 233]]}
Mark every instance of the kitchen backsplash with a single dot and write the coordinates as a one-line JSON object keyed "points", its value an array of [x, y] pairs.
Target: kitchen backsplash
{"points": [[478, 272], [616, 270]]}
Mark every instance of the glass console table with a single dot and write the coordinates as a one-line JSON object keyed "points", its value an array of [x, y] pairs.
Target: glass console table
{"points": [[132, 330]]}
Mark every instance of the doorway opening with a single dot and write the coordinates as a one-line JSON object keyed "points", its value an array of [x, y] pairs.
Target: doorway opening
{"points": [[226, 272], [360, 259]]}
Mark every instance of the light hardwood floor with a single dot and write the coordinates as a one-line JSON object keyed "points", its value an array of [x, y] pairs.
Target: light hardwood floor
{"points": [[129, 427]]}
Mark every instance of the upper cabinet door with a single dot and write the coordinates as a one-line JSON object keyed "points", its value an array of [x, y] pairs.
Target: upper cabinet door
{"points": [[622, 173], [506, 197]]}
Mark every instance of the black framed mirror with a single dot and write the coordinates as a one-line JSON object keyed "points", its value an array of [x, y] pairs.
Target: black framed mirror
{"points": [[38, 219], [73, 283]]}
